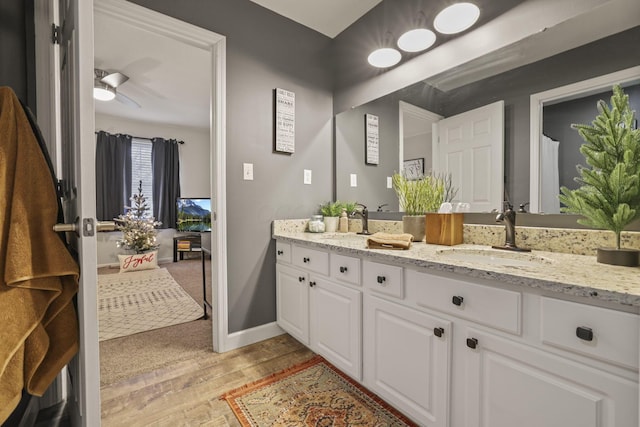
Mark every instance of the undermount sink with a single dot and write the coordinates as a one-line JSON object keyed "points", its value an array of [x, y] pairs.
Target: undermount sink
{"points": [[494, 257]]}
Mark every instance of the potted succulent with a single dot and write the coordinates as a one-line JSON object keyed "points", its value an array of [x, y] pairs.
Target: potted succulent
{"points": [[609, 197], [417, 197], [331, 212]]}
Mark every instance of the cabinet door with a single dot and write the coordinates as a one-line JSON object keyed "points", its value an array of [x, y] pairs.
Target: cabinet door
{"points": [[509, 384], [292, 300], [405, 361], [336, 325]]}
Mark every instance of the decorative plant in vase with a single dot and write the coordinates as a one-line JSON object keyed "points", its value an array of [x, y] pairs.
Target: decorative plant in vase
{"points": [[137, 226], [417, 197], [609, 197], [331, 212]]}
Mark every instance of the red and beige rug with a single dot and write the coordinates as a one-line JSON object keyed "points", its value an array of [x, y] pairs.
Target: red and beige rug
{"points": [[313, 393], [140, 301]]}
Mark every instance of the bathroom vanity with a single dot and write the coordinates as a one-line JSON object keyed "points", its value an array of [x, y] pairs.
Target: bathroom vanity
{"points": [[465, 335]]}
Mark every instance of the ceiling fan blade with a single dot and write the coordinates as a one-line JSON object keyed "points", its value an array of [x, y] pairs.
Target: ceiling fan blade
{"points": [[124, 99], [114, 79]]}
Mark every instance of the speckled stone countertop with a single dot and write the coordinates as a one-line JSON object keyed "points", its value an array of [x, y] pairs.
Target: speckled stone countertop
{"points": [[570, 274]]}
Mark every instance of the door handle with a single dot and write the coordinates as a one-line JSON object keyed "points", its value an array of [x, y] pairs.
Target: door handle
{"points": [[105, 225]]}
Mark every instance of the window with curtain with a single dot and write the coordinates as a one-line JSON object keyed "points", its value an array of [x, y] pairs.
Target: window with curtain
{"points": [[123, 161]]}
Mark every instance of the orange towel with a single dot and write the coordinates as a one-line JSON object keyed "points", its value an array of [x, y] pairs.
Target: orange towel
{"points": [[38, 276]]}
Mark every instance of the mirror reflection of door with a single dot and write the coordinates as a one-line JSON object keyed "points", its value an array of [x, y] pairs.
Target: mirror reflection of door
{"points": [[470, 147]]}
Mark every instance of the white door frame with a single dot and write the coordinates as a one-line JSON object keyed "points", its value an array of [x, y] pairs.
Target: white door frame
{"points": [[554, 96], [215, 44], [409, 109]]}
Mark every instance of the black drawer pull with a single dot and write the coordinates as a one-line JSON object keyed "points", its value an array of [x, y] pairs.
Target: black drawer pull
{"points": [[472, 342], [305, 259], [343, 269], [438, 332], [312, 284], [381, 279], [457, 300], [584, 333], [300, 279], [280, 252]]}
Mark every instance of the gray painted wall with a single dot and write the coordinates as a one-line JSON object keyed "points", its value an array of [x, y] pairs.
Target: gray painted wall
{"points": [[16, 49], [557, 125], [265, 51]]}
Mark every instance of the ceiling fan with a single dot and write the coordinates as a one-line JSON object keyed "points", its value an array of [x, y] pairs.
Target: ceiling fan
{"points": [[105, 84]]}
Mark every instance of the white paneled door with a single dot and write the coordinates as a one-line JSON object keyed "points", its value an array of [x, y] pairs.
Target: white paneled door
{"points": [[470, 146]]}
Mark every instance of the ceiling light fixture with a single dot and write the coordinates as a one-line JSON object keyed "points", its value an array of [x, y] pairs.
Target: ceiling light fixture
{"points": [[103, 92], [416, 40], [456, 18], [384, 57]]}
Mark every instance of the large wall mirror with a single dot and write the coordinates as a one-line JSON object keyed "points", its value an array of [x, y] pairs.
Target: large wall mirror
{"points": [[399, 134]]}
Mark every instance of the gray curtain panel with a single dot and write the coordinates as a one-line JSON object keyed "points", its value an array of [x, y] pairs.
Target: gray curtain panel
{"points": [[166, 180], [113, 174]]}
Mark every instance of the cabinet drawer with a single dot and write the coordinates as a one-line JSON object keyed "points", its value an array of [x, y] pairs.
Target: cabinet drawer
{"points": [[283, 252], [382, 278], [345, 269], [494, 307], [597, 332], [310, 259]]}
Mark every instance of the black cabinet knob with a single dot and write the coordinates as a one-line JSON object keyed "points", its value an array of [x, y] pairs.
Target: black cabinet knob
{"points": [[472, 342], [343, 269], [312, 284], [300, 279], [457, 300], [438, 332], [584, 333], [381, 279], [305, 259], [280, 252]]}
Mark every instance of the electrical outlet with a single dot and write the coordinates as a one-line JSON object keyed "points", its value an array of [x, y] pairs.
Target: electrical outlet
{"points": [[247, 171], [307, 176], [389, 182], [354, 180]]}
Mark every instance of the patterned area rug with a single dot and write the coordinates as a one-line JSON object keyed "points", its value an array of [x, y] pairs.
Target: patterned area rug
{"points": [[140, 301], [313, 393]]}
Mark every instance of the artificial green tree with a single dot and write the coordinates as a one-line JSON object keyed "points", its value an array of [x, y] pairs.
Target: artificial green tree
{"points": [[137, 226], [609, 197]]}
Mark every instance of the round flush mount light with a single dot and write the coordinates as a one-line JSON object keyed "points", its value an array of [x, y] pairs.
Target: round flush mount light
{"points": [[103, 92], [416, 40], [456, 18], [385, 57]]}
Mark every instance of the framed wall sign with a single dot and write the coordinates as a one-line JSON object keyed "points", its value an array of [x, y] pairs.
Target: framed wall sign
{"points": [[414, 168], [371, 140], [285, 121]]}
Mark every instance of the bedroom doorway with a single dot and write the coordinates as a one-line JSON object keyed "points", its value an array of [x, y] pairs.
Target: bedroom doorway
{"points": [[212, 47]]}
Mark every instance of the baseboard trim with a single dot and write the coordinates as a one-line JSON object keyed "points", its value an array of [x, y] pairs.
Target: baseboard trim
{"points": [[252, 336]]}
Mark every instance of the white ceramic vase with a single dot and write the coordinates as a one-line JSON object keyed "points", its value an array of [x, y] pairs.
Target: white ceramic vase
{"points": [[331, 224]]}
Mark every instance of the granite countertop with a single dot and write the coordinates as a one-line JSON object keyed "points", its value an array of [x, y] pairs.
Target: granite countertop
{"points": [[570, 274]]}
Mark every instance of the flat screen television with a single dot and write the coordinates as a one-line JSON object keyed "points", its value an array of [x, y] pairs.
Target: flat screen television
{"points": [[194, 214]]}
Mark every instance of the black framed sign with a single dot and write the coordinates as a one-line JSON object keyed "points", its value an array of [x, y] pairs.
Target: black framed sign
{"points": [[285, 121], [371, 140], [414, 168]]}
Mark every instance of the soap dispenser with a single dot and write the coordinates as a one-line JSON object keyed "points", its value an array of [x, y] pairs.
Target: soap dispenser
{"points": [[343, 224]]}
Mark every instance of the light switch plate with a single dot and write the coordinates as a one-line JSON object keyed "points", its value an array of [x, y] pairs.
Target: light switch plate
{"points": [[354, 180], [307, 176], [247, 171], [389, 182]]}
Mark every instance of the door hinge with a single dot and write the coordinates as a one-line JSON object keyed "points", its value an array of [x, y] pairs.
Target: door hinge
{"points": [[55, 34]]}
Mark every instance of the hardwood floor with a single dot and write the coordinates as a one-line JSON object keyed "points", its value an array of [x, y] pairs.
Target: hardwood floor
{"points": [[188, 393]]}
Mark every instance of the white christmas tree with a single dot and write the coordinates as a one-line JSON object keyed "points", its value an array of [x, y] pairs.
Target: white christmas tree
{"points": [[137, 226]]}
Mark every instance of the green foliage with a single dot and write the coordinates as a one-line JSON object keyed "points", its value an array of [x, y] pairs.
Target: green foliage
{"points": [[609, 197], [331, 208], [419, 196], [137, 226]]}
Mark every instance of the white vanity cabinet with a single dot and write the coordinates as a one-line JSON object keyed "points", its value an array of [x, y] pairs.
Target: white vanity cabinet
{"points": [[322, 310]]}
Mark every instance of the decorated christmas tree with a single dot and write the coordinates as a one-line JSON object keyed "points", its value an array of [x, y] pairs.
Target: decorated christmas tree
{"points": [[609, 197], [137, 225]]}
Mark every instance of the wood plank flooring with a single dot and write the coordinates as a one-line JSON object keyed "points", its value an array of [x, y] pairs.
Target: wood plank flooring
{"points": [[188, 393]]}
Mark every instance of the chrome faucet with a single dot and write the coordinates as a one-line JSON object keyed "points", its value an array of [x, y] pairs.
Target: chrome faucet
{"points": [[508, 216], [364, 215]]}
